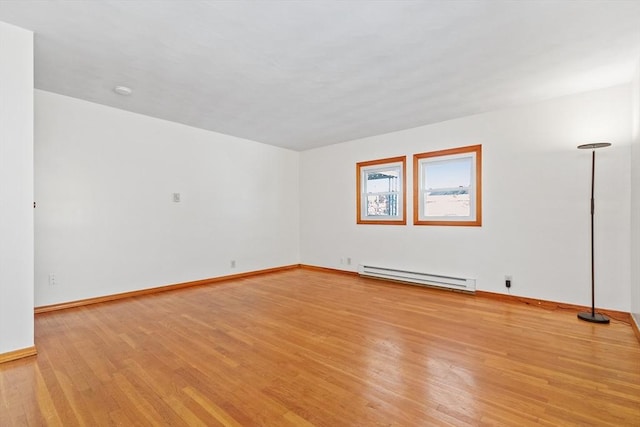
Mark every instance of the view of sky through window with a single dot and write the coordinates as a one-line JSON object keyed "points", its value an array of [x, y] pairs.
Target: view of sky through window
{"points": [[450, 173]]}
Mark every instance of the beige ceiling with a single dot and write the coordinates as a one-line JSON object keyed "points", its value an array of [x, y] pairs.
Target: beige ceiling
{"points": [[303, 74]]}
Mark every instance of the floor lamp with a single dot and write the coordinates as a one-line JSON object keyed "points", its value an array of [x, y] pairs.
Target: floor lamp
{"points": [[592, 316]]}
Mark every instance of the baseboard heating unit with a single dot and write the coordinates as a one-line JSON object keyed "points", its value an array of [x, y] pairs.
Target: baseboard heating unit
{"points": [[418, 278]]}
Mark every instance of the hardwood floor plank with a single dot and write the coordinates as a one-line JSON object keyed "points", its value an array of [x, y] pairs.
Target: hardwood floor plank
{"points": [[218, 413], [314, 348], [46, 406]]}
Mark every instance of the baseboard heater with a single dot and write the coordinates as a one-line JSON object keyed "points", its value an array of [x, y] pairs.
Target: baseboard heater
{"points": [[419, 278]]}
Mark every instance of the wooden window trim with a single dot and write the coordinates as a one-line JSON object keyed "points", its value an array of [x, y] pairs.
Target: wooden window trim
{"points": [[359, 166], [477, 149]]}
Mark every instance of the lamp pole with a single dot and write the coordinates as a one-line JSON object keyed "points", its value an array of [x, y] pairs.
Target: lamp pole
{"points": [[592, 316]]}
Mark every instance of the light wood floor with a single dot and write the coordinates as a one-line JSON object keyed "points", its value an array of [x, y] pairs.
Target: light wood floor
{"points": [[301, 348]]}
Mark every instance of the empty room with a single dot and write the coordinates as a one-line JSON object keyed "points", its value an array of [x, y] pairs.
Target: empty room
{"points": [[319, 213]]}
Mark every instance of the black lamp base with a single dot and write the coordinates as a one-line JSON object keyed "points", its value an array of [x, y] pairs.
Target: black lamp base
{"points": [[595, 318]]}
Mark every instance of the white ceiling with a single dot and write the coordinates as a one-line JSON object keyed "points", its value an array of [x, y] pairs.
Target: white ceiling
{"points": [[303, 74]]}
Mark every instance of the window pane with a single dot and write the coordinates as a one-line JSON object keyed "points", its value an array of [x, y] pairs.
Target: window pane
{"points": [[441, 203], [447, 187], [382, 181], [452, 173], [382, 204]]}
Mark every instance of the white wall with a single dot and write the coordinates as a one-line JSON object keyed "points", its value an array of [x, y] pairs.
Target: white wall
{"points": [[635, 199], [16, 188], [106, 222], [536, 190]]}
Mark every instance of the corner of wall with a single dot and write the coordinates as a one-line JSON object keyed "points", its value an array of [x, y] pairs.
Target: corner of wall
{"points": [[16, 167], [635, 196]]}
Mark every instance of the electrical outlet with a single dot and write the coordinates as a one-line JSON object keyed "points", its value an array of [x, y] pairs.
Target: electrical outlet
{"points": [[52, 280], [348, 261], [176, 197], [233, 263], [508, 281]]}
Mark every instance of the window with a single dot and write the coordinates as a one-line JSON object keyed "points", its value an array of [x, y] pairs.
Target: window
{"points": [[381, 191], [447, 187]]}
